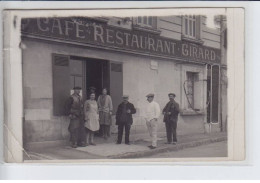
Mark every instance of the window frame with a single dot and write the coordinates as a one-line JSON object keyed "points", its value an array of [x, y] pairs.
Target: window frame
{"points": [[190, 24], [195, 77], [198, 91], [149, 21], [196, 31], [151, 28]]}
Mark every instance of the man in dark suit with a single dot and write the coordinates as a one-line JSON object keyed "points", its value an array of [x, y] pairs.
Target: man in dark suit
{"points": [[124, 119], [171, 112]]}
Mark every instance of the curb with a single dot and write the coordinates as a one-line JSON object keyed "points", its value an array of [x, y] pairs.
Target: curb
{"points": [[168, 148]]}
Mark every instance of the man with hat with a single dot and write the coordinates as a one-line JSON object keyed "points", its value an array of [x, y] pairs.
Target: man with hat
{"points": [[75, 111], [171, 111], [124, 119], [152, 114]]}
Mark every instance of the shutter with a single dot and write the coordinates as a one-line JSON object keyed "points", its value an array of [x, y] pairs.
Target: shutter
{"points": [[214, 93], [61, 83], [116, 84]]}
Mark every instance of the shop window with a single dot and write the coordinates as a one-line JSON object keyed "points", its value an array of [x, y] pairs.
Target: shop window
{"points": [[191, 78], [215, 93]]}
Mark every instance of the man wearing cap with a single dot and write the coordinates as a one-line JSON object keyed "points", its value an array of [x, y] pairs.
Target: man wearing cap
{"points": [[124, 119], [171, 111], [75, 109], [152, 113]]}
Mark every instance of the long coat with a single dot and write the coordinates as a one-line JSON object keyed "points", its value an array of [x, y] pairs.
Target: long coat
{"points": [[129, 118], [75, 111], [173, 109], [105, 106]]}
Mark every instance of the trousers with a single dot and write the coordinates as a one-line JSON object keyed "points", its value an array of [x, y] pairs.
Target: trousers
{"points": [[74, 135], [152, 127], [121, 128], [171, 127]]}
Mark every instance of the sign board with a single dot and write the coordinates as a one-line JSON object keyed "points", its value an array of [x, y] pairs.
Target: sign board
{"points": [[88, 31]]}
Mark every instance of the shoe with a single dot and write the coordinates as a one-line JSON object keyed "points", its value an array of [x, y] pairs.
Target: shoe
{"points": [[174, 143], [118, 142], [152, 147], [93, 144], [167, 143], [74, 145], [128, 143], [82, 145]]}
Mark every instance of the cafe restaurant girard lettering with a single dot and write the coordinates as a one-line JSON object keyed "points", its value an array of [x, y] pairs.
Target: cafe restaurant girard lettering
{"points": [[88, 31]]}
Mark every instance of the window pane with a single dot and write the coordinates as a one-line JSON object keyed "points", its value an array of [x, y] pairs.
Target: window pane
{"points": [[76, 67], [139, 19], [72, 82], [190, 28], [150, 21], [194, 28], [78, 81], [190, 89], [186, 26], [145, 20]]}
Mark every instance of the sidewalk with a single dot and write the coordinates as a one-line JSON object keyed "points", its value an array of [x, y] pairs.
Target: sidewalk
{"points": [[108, 149]]}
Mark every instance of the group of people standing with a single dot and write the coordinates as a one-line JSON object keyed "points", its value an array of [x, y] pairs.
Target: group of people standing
{"points": [[88, 117], [92, 116]]}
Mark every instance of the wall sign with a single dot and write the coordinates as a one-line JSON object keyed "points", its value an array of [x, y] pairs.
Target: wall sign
{"points": [[89, 31]]}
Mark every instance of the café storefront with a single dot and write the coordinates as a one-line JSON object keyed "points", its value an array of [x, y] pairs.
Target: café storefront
{"points": [[60, 53]]}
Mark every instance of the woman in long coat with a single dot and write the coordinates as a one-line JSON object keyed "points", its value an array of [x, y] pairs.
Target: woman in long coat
{"points": [[91, 118], [105, 108]]}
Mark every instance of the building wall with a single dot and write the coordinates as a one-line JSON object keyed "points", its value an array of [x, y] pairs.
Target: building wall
{"points": [[172, 26], [41, 125]]}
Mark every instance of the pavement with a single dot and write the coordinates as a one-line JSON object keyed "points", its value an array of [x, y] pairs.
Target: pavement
{"points": [[216, 149], [108, 149]]}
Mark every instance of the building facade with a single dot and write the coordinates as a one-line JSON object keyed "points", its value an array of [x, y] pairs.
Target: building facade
{"points": [[133, 56]]}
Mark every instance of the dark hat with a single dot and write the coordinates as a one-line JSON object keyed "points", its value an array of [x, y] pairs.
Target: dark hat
{"points": [[77, 88], [125, 96], [172, 94], [150, 95]]}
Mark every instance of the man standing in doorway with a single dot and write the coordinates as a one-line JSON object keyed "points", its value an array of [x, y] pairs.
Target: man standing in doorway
{"points": [[171, 111], [152, 114], [124, 119], [75, 111]]}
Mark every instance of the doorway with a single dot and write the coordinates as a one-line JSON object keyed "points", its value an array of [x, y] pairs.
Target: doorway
{"points": [[100, 74], [97, 75]]}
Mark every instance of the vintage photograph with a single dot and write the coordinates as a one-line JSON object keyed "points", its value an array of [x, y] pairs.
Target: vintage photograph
{"points": [[124, 87]]}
